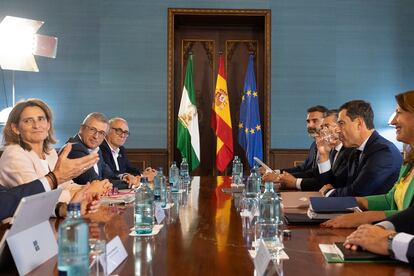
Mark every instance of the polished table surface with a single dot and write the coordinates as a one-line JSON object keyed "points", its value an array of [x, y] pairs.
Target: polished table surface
{"points": [[203, 235]]}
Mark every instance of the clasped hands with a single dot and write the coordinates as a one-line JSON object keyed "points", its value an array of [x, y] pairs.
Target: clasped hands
{"points": [[133, 181], [285, 178]]}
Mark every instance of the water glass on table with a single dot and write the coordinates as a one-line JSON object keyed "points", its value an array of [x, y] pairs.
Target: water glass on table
{"points": [[272, 235], [249, 208], [97, 257]]}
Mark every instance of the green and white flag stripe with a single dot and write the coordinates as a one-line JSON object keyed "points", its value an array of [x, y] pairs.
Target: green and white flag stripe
{"points": [[188, 137]]}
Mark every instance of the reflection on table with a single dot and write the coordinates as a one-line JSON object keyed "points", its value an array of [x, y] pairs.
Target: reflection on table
{"points": [[203, 235]]}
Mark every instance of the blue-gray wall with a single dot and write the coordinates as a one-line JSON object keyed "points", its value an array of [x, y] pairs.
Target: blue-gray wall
{"points": [[112, 58]]}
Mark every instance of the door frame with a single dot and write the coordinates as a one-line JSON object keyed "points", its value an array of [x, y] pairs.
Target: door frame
{"points": [[172, 13]]}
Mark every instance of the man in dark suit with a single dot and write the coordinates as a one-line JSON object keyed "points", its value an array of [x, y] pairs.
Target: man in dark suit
{"points": [[394, 237], [114, 153], [374, 164], [332, 153], [65, 170], [303, 177], [91, 134]]}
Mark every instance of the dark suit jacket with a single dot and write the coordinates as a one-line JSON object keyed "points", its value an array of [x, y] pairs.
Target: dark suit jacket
{"points": [[377, 171], [123, 162], [308, 171], [309, 180], [404, 222], [338, 174], [308, 165], [10, 197], [79, 149]]}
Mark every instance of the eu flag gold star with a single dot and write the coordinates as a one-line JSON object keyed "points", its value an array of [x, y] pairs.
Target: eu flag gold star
{"points": [[254, 94], [246, 130], [252, 130], [240, 125], [258, 127], [249, 93]]}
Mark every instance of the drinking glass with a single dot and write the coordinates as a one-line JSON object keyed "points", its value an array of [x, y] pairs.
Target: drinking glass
{"points": [[329, 134], [97, 257], [272, 235], [249, 207]]}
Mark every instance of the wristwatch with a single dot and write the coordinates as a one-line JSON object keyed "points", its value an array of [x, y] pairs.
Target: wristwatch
{"points": [[390, 238]]}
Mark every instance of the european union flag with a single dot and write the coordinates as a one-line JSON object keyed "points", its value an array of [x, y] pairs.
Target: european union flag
{"points": [[250, 129]]}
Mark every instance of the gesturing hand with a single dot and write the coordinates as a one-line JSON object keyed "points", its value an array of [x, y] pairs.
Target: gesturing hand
{"points": [[67, 169]]}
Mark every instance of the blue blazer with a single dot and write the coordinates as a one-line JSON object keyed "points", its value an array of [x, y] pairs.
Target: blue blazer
{"points": [[378, 169], [308, 171], [79, 149], [309, 165], [10, 197], [124, 165], [337, 176]]}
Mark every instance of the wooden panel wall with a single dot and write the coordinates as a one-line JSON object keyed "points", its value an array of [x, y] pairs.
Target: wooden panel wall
{"points": [[144, 158], [286, 158], [279, 158]]}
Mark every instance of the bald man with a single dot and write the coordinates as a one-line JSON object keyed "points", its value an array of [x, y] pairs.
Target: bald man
{"points": [[114, 152]]}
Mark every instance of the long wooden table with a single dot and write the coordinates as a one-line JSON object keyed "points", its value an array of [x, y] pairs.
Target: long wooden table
{"points": [[202, 235]]}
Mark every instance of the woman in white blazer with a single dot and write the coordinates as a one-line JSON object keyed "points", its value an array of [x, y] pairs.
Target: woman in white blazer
{"points": [[28, 154]]}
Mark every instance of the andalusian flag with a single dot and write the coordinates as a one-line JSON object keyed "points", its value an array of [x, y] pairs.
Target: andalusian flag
{"points": [[188, 137], [221, 120]]}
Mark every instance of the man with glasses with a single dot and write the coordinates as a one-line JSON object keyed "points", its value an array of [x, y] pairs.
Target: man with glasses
{"points": [[331, 149], [91, 135], [114, 152]]}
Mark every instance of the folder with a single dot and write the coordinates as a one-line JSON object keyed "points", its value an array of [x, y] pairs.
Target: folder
{"points": [[321, 205]]}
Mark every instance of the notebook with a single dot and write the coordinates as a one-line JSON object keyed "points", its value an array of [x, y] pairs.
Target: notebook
{"points": [[358, 255], [337, 253], [299, 219], [346, 204]]}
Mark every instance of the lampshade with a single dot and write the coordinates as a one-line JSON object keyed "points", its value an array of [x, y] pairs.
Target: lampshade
{"points": [[19, 43]]}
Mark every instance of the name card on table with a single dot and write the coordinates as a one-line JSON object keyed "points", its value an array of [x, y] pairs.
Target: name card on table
{"points": [[115, 254], [262, 259], [159, 213]]}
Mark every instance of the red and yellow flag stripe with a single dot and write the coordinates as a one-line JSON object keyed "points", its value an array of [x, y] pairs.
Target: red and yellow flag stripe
{"points": [[221, 120]]}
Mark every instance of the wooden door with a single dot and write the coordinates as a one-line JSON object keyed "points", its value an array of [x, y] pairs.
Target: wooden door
{"points": [[205, 36]]}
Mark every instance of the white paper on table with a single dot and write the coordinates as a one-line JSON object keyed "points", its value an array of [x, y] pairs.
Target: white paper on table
{"points": [[155, 230], [282, 255], [115, 254], [168, 206], [262, 259], [159, 213]]}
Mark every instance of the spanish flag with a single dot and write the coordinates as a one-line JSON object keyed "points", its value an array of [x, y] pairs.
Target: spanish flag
{"points": [[221, 120]]}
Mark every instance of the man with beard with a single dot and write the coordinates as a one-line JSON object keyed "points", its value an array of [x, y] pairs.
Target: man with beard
{"points": [[303, 177]]}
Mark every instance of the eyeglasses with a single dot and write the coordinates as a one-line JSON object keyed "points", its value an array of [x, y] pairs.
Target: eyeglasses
{"points": [[94, 131], [120, 131]]}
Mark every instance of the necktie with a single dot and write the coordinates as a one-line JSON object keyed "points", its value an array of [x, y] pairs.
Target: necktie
{"points": [[355, 163], [332, 155], [314, 163]]}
